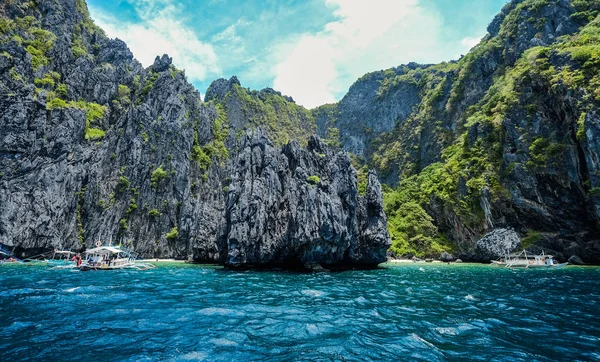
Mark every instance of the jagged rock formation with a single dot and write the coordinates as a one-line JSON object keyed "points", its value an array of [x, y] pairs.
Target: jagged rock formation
{"points": [[295, 206], [507, 136], [95, 147]]}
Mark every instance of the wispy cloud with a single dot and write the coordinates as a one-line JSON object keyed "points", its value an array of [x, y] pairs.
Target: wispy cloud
{"points": [[161, 32], [470, 42], [367, 35], [230, 45], [312, 50]]}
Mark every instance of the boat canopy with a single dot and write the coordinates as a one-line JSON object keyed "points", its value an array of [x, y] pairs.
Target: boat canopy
{"points": [[104, 250], [524, 254], [64, 252]]}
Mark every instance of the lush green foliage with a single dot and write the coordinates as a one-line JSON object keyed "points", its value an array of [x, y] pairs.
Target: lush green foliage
{"points": [[94, 134], [283, 120], [39, 47], [542, 151], [413, 232], [124, 224], [313, 180], [154, 213], [124, 183], [78, 48], [94, 113], [362, 175], [423, 78], [123, 99], [220, 129], [200, 156], [62, 91], [215, 149], [132, 206], [88, 23], [510, 25], [26, 31], [333, 137], [581, 127], [56, 103], [148, 85], [157, 176], [48, 80], [471, 166], [587, 10], [172, 235]]}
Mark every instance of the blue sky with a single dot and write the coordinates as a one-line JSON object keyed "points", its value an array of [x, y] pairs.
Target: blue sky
{"points": [[312, 50]]}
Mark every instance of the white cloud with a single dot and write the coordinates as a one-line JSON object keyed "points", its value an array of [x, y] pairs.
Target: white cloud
{"points": [[230, 45], [161, 32], [308, 72], [368, 35], [314, 68], [470, 42]]}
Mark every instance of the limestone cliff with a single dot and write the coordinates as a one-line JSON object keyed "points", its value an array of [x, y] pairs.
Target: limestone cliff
{"points": [[95, 147], [504, 137], [295, 206]]}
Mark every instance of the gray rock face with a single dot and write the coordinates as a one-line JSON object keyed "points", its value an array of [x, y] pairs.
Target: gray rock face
{"points": [[364, 114], [496, 244], [294, 206], [156, 174]]}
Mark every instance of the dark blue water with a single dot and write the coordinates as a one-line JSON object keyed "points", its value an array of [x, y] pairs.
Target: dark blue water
{"points": [[412, 312]]}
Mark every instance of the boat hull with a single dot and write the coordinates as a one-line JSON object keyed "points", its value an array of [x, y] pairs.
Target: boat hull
{"points": [[529, 266], [105, 267]]}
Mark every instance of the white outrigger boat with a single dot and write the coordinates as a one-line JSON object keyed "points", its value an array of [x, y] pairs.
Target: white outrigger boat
{"points": [[111, 258], [524, 260], [56, 258], [61, 257]]}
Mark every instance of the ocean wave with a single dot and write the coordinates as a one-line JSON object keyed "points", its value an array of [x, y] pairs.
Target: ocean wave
{"points": [[399, 313]]}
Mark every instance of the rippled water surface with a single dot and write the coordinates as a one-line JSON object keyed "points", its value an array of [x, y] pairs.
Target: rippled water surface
{"points": [[401, 312]]}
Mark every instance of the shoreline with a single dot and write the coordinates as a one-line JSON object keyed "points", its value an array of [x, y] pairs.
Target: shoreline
{"points": [[159, 261], [410, 261]]}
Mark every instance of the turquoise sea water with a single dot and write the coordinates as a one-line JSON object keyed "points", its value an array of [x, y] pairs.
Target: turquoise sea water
{"points": [[400, 312]]}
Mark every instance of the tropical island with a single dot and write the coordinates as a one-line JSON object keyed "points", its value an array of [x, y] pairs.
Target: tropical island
{"points": [[416, 160]]}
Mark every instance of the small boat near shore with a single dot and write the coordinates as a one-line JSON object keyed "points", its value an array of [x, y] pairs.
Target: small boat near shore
{"points": [[528, 261], [8, 257], [62, 258], [111, 258]]}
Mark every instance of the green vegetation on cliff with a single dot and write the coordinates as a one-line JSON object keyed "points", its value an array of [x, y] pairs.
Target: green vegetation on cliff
{"points": [[215, 149], [26, 31], [472, 165], [283, 119]]}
